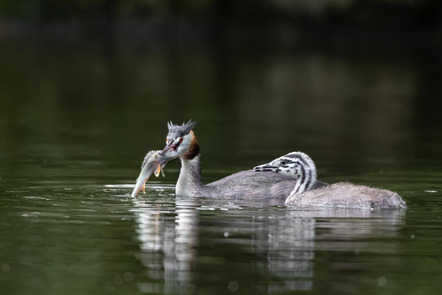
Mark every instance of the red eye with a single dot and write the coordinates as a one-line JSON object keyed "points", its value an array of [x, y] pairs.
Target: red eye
{"points": [[181, 140]]}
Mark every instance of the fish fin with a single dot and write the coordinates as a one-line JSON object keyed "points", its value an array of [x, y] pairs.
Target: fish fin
{"points": [[157, 171]]}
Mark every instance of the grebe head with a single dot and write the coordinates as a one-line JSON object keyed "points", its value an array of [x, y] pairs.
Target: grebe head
{"points": [[181, 141], [297, 165]]}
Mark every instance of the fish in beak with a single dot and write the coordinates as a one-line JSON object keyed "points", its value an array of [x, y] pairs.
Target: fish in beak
{"points": [[170, 147], [154, 162]]}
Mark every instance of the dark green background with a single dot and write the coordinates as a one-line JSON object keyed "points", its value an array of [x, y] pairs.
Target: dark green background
{"points": [[86, 89]]}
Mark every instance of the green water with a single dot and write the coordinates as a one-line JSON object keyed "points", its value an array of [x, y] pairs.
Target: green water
{"points": [[76, 121]]}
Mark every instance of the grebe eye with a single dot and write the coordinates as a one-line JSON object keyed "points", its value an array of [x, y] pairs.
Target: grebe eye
{"points": [[181, 140]]}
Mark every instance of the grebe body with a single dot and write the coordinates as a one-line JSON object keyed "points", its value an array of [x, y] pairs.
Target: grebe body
{"points": [[181, 143], [245, 185]]}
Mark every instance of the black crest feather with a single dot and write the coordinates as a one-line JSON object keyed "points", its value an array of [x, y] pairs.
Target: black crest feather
{"points": [[181, 130]]}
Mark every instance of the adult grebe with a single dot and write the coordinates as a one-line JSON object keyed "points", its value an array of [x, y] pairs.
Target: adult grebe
{"points": [[181, 143], [340, 195]]}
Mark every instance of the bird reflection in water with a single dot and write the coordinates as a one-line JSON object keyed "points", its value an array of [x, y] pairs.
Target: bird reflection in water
{"points": [[167, 235], [275, 245]]}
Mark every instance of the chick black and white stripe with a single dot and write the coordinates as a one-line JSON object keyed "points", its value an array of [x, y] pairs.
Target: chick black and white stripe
{"points": [[297, 165]]}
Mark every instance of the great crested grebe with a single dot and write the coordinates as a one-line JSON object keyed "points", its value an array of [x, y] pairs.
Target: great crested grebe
{"points": [[287, 178], [181, 143]]}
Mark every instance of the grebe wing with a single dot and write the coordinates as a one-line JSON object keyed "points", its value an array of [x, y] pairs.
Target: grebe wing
{"points": [[252, 185]]}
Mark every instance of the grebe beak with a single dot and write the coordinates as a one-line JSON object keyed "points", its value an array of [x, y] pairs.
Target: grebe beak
{"points": [[265, 167], [170, 147]]}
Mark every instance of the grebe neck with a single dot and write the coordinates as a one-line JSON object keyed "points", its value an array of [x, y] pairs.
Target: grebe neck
{"points": [[189, 182], [304, 183]]}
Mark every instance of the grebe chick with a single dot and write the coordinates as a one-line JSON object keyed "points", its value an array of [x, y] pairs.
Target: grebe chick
{"points": [[297, 165], [341, 195], [181, 143]]}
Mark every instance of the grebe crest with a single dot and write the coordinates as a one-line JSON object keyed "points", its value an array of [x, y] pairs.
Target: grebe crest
{"points": [[297, 165], [182, 130]]}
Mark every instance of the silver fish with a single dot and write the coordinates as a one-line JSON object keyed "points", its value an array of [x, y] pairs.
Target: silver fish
{"points": [[154, 162]]}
